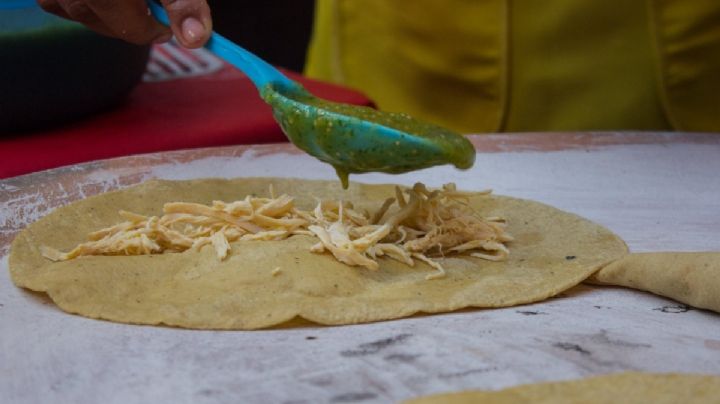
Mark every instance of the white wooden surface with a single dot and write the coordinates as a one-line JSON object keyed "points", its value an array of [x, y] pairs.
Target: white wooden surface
{"points": [[661, 193]]}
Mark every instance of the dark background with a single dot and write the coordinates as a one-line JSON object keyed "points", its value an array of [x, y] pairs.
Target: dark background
{"points": [[276, 30]]}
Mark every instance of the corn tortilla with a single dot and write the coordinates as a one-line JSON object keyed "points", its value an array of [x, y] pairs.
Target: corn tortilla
{"points": [[689, 277], [629, 387], [553, 251]]}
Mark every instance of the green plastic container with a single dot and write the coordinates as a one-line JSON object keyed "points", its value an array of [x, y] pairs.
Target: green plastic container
{"points": [[54, 71]]}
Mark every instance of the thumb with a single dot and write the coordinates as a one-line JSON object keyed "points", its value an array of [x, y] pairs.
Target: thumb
{"points": [[190, 21]]}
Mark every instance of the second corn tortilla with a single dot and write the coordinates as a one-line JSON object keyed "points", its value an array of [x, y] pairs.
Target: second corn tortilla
{"points": [[628, 388], [553, 251]]}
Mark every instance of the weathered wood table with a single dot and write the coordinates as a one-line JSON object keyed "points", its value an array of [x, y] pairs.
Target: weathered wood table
{"points": [[658, 191]]}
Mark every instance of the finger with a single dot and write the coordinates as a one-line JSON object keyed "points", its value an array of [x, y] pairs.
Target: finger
{"points": [[53, 7], [190, 21], [129, 20], [78, 10]]}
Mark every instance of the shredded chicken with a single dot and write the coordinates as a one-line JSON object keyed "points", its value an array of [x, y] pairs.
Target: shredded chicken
{"points": [[417, 224]]}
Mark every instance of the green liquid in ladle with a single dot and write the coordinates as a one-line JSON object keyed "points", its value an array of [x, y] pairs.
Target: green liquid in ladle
{"points": [[356, 139]]}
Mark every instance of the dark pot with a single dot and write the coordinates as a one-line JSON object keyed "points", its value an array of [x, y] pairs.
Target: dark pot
{"points": [[54, 71]]}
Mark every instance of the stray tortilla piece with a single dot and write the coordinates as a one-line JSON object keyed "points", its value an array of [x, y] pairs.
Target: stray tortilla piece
{"points": [[689, 277], [425, 224]]}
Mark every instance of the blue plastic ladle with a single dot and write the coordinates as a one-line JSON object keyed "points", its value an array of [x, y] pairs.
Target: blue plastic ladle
{"points": [[352, 139]]}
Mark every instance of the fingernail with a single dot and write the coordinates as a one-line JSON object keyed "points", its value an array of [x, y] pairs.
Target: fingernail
{"points": [[192, 29]]}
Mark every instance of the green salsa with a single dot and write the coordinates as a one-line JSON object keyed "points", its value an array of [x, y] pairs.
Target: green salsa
{"points": [[356, 139]]}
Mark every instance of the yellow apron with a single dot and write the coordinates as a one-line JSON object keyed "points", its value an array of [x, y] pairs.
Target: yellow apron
{"points": [[524, 65]]}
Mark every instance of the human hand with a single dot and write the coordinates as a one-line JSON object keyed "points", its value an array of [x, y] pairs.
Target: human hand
{"points": [[131, 21]]}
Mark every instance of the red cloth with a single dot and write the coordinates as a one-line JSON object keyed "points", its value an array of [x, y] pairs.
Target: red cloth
{"points": [[219, 109]]}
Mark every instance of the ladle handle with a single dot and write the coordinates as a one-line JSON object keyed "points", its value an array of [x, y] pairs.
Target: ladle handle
{"points": [[260, 72]]}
